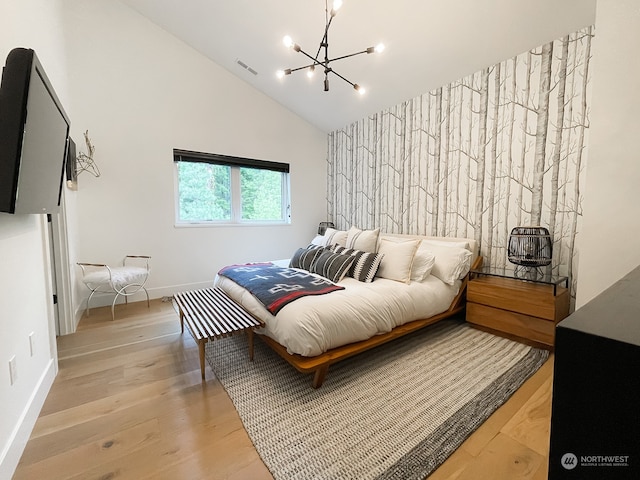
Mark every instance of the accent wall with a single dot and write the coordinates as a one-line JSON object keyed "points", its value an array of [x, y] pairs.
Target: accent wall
{"points": [[503, 147]]}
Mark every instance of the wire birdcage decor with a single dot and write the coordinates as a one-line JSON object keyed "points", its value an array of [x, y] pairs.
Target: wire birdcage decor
{"points": [[530, 247]]}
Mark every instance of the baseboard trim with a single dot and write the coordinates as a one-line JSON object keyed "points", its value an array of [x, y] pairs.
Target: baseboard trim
{"points": [[12, 453], [104, 300]]}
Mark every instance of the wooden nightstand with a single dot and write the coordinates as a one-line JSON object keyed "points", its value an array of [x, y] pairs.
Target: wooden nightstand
{"points": [[521, 306]]}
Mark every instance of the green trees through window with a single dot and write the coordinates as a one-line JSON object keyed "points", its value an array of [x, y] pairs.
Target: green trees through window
{"points": [[261, 194], [204, 192]]}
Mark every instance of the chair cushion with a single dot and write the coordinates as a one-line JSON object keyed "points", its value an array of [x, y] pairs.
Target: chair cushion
{"points": [[121, 276]]}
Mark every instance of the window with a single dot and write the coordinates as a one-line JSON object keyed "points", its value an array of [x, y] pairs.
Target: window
{"points": [[218, 189]]}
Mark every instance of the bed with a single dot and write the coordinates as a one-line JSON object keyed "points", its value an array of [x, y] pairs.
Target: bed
{"points": [[418, 281]]}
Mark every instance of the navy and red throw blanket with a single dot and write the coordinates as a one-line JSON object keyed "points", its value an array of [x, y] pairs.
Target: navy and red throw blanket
{"points": [[276, 286]]}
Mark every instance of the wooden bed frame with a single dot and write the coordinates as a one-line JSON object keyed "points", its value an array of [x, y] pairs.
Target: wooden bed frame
{"points": [[319, 365]]}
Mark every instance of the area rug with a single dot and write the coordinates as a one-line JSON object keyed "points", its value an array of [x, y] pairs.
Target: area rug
{"points": [[394, 412]]}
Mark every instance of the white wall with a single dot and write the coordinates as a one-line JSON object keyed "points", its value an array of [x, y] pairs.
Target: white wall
{"points": [[611, 228], [140, 92], [25, 278]]}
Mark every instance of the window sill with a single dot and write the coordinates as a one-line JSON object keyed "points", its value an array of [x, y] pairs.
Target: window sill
{"points": [[230, 224]]}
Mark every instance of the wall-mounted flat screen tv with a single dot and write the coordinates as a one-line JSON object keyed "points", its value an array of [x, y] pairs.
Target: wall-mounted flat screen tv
{"points": [[34, 130]]}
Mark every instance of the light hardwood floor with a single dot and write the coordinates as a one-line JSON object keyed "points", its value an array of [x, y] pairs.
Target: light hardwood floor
{"points": [[128, 403]]}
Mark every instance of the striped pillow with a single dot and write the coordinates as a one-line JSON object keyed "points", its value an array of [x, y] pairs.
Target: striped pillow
{"points": [[331, 265], [304, 257], [365, 264]]}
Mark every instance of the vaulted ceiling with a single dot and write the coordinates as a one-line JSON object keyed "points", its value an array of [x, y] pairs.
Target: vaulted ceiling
{"points": [[429, 43]]}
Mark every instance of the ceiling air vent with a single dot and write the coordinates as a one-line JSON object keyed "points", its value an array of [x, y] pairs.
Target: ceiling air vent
{"points": [[246, 67]]}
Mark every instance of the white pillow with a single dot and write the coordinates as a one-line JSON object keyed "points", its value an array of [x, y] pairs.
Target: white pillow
{"points": [[422, 263], [364, 240], [452, 263], [398, 259], [319, 240], [336, 237], [445, 243]]}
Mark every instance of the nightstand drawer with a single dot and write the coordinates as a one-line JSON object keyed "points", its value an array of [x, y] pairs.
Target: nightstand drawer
{"points": [[532, 328], [521, 297]]}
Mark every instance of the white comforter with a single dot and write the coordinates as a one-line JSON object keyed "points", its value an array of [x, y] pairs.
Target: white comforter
{"points": [[311, 325]]}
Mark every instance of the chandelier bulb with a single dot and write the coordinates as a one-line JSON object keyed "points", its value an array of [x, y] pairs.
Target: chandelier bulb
{"points": [[311, 71], [288, 41], [359, 89], [377, 49], [282, 73], [336, 6]]}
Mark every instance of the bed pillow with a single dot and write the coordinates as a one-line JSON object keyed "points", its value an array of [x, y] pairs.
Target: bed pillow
{"points": [[365, 264], [333, 266], [336, 237], [423, 263], [319, 241], [445, 243], [304, 257], [365, 240], [452, 263], [398, 259]]}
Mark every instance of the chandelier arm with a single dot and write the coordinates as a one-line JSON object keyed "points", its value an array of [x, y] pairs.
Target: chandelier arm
{"points": [[347, 56], [326, 15], [305, 66], [343, 78], [315, 60], [324, 40]]}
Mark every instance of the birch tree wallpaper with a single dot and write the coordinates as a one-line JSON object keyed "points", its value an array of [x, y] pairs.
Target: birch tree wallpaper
{"points": [[501, 148]]}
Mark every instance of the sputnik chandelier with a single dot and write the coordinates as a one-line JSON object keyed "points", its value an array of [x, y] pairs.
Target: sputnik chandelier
{"points": [[324, 46]]}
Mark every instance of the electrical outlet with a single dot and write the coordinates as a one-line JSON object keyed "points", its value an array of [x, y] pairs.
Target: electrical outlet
{"points": [[13, 370], [32, 343]]}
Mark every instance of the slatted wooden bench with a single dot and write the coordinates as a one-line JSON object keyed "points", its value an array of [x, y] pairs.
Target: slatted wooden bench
{"points": [[209, 314]]}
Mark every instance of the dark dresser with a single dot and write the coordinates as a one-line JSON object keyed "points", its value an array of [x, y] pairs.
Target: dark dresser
{"points": [[595, 418]]}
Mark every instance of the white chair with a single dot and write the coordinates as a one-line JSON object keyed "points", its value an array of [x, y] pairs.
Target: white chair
{"points": [[126, 280]]}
